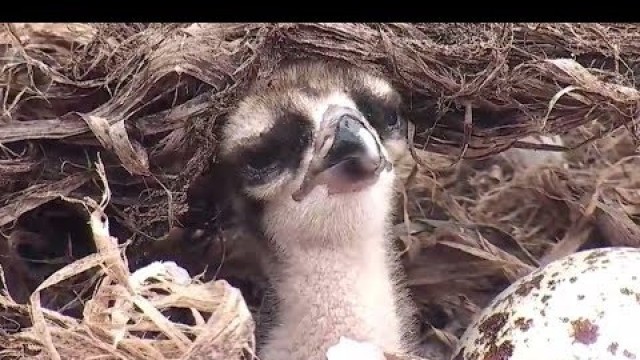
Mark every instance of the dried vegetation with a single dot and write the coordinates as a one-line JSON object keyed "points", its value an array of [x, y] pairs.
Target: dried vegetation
{"points": [[126, 114]]}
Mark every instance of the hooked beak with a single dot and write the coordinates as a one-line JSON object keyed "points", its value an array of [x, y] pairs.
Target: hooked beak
{"points": [[347, 156]]}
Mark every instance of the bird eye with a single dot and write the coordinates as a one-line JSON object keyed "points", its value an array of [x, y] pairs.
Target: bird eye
{"points": [[260, 161], [260, 167], [392, 119]]}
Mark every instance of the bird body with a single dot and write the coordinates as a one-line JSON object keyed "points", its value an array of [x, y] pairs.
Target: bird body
{"points": [[310, 156]]}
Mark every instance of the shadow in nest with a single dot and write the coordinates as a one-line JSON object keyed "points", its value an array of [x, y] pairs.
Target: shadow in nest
{"points": [[41, 242], [207, 243]]}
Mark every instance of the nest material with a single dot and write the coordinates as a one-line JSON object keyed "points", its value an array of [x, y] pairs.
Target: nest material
{"points": [[148, 97], [129, 315]]}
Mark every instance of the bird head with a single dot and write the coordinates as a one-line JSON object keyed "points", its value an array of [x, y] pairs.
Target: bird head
{"points": [[310, 153]]}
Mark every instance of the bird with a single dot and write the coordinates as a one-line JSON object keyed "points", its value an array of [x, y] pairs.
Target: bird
{"points": [[307, 157]]}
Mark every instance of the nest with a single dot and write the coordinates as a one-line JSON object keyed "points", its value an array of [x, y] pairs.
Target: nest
{"points": [[131, 110]]}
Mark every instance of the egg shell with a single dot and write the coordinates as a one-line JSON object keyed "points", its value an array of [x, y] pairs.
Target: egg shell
{"points": [[349, 349], [583, 306]]}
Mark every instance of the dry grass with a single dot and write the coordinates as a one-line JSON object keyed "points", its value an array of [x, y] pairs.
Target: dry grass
{"points": [[147, 97], [126, 315]]}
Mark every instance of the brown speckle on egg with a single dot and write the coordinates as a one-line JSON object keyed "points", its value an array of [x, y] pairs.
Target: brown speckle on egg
{"points": [[628, 354], [500, 352], [525, 288], [567, 262], [490, 327], [596, 254], [626, 291], [508, 300], [523, 324], [584, 331], [580, 297], [613, 348], [474, 356]]}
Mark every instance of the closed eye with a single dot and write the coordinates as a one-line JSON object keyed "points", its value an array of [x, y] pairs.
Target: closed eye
{"points": [[261, 166], [392, 119], [279, 150], [257, 161], [382, 113]]}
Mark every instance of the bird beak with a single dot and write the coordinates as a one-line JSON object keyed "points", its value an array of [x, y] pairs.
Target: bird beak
{"points": [[347, 155]]}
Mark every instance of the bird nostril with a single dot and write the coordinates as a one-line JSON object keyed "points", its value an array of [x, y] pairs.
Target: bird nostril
{"points": [[350, 140], [348, 122], [348, 129]]}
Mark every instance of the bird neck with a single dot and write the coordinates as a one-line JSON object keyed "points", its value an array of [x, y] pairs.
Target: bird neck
{"points": [[326, 293]]}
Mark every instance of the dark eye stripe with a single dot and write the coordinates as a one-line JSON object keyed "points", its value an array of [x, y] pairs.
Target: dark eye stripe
{"points": [[278, 150], [381, 113]]}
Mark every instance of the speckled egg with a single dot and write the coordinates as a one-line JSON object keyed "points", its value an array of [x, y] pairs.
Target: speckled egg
{"points": [[584, 306]]}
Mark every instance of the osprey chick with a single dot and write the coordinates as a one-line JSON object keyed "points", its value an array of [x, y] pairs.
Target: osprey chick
{"points": [[309, 157]]}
